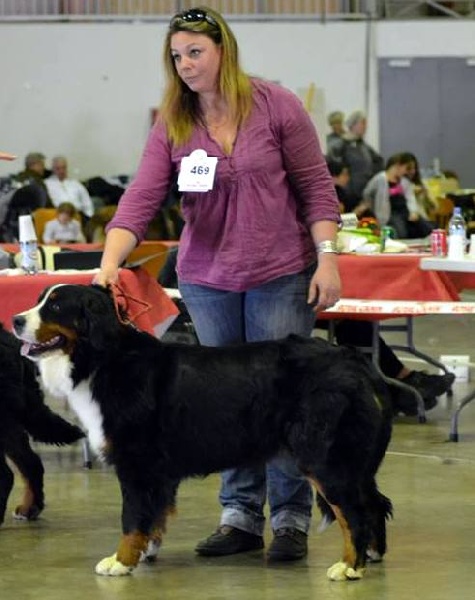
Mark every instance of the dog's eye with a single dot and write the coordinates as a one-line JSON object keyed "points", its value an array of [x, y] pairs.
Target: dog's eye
{"points": [[55, 307]]}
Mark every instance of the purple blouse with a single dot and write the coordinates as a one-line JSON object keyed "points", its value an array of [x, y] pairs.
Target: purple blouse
{"points": [[253, 226]]}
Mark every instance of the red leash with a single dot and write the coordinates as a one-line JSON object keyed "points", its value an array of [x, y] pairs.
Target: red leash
{"points": [[122, 303]]}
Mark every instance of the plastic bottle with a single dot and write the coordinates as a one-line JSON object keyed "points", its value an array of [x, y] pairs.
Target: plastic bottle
{"points": [[457, 238], [29, 256], [28, 244]]}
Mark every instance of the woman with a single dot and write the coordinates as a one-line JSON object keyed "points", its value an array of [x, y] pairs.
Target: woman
{"points": [[389, 195], [427, 206], [246, 263]]}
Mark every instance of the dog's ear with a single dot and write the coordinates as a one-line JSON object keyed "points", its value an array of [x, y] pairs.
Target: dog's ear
{"points": [[44, 293], [99, 320]]}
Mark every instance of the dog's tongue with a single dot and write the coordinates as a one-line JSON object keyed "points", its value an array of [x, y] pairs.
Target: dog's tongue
{"points": [[25, 349]]}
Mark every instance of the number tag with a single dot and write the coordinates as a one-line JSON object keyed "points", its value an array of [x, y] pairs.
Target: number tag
{"points": [[197, 172]]}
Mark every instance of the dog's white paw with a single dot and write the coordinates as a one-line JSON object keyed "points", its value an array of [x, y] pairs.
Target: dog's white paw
{"points": [[111, 566], [150, 554], [26, 513], [341, 571], [19, 516], [373, 556]]}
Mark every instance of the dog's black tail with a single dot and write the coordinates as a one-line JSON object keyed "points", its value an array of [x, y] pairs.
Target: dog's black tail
{"points": [[328, 516], [385, 507], [39, 420]]}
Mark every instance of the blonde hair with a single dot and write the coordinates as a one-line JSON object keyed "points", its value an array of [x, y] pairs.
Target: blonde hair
{"points": [[180, 109]]}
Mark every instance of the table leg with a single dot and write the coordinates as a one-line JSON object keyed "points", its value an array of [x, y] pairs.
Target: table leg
{"points": [[454, 436]]}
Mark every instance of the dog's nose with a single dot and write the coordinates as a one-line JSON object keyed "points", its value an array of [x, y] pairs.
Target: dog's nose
{"points": [[19, 322]]}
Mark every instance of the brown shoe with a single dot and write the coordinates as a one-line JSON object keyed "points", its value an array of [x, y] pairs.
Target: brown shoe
{"points": [[288, 544], [229, 540]]}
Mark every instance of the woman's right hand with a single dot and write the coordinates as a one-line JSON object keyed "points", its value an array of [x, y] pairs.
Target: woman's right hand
{"points": [[119, 244], [107, 275]]}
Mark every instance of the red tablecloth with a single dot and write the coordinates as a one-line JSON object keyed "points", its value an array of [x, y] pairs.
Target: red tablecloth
{"points": [[379, 277], [20, 292], [398, 277], [88, 246]]}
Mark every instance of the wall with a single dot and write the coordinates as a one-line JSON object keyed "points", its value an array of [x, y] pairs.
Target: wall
{"points": [[85, 90]]}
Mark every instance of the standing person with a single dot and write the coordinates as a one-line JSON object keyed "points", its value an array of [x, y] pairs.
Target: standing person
{"points": [[336, 121], [362, 159], [246, 262], [63, 189]]}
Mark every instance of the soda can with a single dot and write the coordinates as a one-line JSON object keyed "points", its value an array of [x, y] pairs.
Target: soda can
{"points": [[387, 232], [438, 242]]}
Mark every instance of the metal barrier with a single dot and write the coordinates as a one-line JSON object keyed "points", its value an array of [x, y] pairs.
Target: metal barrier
{"points": [[160, 9], [407, 9], [97, 10]]}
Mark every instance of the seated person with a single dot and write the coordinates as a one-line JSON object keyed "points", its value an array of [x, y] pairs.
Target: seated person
{"points": [[65, 228], [390, 197], [427, 205], [341, 176], [62, 189], [358, 333]]}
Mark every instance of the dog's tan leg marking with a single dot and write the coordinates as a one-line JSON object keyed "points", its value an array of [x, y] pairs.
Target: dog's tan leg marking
{"points": [[130, 547], [127, 556], [344, 569]]}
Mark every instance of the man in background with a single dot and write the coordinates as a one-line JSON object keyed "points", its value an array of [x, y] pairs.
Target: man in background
{"points": [[352, 150], [336, 121], [33, 175], [63, 189]]}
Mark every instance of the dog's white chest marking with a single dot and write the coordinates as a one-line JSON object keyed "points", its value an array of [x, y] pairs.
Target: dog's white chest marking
{"points": [[56, 375]]}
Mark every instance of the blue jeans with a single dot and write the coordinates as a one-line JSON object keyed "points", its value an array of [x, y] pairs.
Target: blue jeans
{"points": [[270, 311]]}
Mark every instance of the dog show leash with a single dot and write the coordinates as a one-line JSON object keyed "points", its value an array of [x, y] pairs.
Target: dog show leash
{"points": [[122, 303]]}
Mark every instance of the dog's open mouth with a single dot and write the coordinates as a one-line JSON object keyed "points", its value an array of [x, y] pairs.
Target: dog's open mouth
{"points": [[35, 349]]}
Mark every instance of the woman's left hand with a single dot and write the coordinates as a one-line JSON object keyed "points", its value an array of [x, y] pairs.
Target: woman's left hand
{"points": [[325, 286], [7, 156]]}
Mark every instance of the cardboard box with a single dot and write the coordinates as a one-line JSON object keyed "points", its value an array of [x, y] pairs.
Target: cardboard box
{"points": [[458, 364]]}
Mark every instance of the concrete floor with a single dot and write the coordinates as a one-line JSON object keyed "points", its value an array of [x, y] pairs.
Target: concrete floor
{"points": [[431, 539]]}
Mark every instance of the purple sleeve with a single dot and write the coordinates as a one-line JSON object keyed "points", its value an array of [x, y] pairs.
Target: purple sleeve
{"points": [[142, 199], [304, 161]]}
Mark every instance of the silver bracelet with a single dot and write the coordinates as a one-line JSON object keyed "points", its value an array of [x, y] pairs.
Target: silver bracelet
{"points": [[327, 247]]}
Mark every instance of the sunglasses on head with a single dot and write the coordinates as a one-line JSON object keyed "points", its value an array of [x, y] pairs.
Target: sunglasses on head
{"points": [[194, 15]]}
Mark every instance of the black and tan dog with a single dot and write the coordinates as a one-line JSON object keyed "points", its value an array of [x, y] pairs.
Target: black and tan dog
{"points": [[164, 412], [23, 413]]}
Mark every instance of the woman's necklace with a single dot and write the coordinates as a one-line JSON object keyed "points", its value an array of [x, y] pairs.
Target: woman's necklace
{"points": [[221, 129]]}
